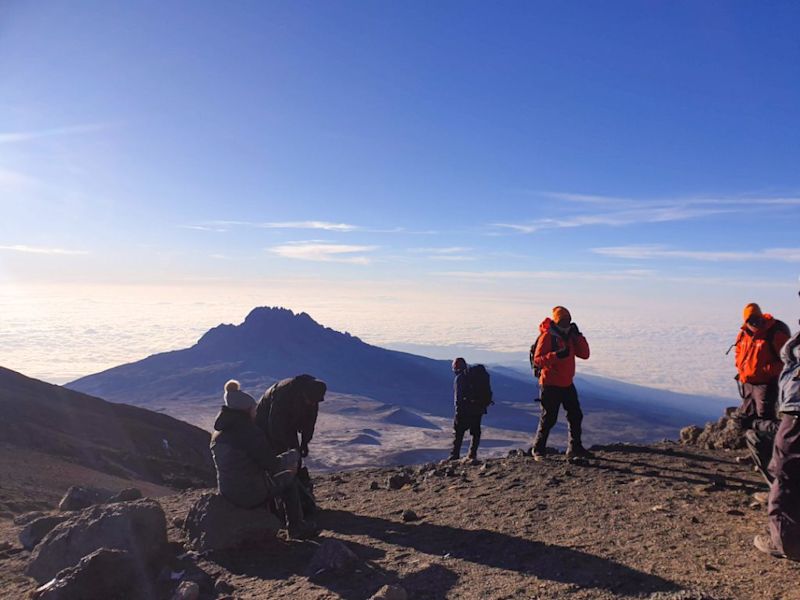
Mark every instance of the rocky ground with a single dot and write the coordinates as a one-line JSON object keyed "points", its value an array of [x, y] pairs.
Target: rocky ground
{"points": [[655, 522]]}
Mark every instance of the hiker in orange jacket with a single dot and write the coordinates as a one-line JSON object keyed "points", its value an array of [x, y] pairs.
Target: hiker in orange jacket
{"points": [[759, 364], [553, 357]]}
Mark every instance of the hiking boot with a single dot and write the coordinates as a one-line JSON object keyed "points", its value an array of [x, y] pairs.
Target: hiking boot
{"points": [[472, 460], [578, 452], [764, 543], [761, 497], [538, 456], [303, 530]]}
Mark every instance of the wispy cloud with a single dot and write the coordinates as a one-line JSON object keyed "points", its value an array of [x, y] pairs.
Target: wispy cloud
{"points": [[325, 252], [225, 225], [12, 180], [203, 228], [652, 252], [41, 250], [614, 211], [15, 137], [627, 274], [452, 253]]}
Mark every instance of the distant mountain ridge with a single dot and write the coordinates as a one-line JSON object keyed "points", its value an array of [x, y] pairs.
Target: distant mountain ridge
{"points": [[367, 385]]}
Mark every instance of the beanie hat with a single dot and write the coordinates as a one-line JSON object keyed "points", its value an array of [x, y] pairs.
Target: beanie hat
{"points": [[751, 310], [238, 400], [560, 313]]}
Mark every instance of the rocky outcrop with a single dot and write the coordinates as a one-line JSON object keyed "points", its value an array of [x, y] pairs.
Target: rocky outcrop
{"points": [[140, 528], [101, 575], [725, 433], [213, 523]]}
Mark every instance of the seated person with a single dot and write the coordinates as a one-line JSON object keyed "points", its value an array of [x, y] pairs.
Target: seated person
{"points": [[249, 473]]}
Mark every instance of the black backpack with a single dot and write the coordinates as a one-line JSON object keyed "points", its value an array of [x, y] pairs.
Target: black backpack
{"points": [[480, 390], [537, 371]]}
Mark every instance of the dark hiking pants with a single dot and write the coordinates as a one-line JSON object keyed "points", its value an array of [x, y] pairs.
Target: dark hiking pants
{"points": [[784, 495], [462, 424], [758, 402], [552, 398], [760, 439]]}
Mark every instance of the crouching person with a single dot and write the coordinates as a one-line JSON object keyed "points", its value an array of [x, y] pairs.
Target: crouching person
{"points": [[249, 473]]}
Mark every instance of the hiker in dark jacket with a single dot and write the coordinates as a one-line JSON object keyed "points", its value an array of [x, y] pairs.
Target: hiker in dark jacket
{"points": [[289, 408], [468, 414], [249, 473], [784, 494]]}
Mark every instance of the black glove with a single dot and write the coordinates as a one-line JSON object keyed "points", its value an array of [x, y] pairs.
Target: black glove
{"points": [[563, 353], [573, 330], [303, 450]]}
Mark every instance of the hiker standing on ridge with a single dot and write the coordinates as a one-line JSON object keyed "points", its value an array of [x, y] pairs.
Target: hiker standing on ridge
{"points": [[553, 362], [470, 406], [758, 366], [784, 494]]}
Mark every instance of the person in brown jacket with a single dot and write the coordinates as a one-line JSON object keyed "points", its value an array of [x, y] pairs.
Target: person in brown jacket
{"points": [[553, 358]]}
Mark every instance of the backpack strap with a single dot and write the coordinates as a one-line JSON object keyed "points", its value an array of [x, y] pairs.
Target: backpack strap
{"points": [[770, 337]]}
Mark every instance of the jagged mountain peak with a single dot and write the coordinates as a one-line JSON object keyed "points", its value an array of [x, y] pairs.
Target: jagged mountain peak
{"points": [[273, 322]]}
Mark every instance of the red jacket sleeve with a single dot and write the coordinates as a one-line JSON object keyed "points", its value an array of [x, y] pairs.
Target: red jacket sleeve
{"points": [[581, 347]]}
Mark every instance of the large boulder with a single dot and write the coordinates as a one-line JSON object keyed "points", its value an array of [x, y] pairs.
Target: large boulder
{"points": [[34, 531], [78, 498], [213, 523], [101, 575], [139, 528], [725, 433], [126, 495]]}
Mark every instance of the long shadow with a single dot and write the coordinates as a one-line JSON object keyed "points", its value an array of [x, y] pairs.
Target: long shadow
{"points": [[634, 449], [502, 551]]}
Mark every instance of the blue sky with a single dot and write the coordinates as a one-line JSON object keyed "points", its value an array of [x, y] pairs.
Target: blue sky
{"points": [[632, 153]]}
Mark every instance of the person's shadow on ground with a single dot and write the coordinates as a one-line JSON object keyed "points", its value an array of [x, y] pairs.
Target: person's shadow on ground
{"points": [[498, 550]]}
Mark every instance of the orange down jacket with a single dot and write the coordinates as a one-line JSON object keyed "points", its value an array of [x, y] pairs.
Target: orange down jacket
{"points": [[558, 371], [756, 362]]}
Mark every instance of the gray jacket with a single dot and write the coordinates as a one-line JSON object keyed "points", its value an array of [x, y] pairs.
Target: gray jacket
{"points": [[243, 458], [789, 382]]}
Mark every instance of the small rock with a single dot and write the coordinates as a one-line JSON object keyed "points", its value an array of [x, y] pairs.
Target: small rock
{"points": [[409, 515], [735, 513], [34, 532], [101, 574], [390, 592], [78, 498], [331, 558], [397, 481], [5, 546], [374, 485], [222, 587], [178, 522], [187, 590]]}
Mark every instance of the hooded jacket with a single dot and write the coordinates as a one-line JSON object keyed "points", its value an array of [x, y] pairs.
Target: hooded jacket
{"points": [[789, 383], [243, 458], [284, 411], [555, 354], [756, 362]]}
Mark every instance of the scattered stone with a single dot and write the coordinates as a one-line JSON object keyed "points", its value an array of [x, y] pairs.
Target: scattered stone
{"points": [[397, 481], [27, 517], [178, 522], [126, 495], [222, 587], [682, 595], [390, 592], [187, 590], [5, 546], [34, 531], [213, 523], [100, 575], [332, 558], [139, 528], [78, 498], [409, 515], [735, 513], [688, 435], [374, 485]]}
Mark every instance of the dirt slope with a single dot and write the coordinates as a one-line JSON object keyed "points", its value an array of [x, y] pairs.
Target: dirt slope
{"points": [[637, 522]]}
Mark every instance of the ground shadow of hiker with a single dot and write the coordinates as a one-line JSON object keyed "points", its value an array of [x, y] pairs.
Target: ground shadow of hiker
{"points": [[502, 551]]}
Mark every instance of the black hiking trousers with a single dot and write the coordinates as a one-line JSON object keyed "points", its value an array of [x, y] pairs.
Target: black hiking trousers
{"points": [[552, 398], [784, 495], [462, 424]]}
